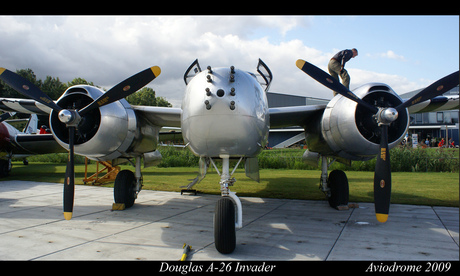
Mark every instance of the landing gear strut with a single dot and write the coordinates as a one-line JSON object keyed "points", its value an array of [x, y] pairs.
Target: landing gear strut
{"points": [[225, 223], [335, 187]]}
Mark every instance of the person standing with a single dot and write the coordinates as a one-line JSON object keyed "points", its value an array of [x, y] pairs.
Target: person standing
{"points": [[427, 142], [441, 144], [336, 66]]}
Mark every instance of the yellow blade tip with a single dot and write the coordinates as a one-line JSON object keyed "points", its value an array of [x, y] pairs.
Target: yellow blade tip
{"points": [[156, 70], [2, 70], [300, 63], [67, 215], [382, 217]]}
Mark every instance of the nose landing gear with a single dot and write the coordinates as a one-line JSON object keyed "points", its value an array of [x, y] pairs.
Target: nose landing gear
{"points": [[225, 222]]}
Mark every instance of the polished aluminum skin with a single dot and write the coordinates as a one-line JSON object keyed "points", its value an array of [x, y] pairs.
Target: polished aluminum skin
{"points": [[225, 112], [341, 120], [110, 132]]}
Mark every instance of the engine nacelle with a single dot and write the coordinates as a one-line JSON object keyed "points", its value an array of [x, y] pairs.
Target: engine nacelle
{"points": [[105, 133], [351, 131]]}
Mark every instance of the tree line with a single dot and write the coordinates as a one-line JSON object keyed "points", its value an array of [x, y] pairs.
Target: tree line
{"points": [[54, 88]]}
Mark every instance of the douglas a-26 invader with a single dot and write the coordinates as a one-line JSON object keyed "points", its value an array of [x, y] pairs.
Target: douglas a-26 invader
{"points": [[225, 115]]}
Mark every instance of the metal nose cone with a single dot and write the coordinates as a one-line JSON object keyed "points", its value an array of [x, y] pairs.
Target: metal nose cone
{"points": [[65, 116]]}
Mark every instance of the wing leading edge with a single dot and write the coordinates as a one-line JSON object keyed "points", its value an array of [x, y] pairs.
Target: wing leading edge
{"points": [[160, 116], [293, 116]]}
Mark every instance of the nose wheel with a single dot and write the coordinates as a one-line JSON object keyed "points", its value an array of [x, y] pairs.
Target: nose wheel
{"points": [[224, 226], [226, 218]]}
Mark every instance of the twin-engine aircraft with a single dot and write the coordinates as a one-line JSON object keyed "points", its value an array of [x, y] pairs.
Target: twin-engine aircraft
{"points": [[225, 115]]}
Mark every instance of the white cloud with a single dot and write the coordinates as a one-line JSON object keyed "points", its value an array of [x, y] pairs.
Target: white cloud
{"points": [[398, 83], [108, 49], [388, 54]]}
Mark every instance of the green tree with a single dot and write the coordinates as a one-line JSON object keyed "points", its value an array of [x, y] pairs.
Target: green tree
{"points": [[53, 87], [146, 96], [77, 81], [161, 101]]}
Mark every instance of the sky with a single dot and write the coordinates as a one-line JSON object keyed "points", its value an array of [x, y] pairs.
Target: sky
{"points": [[405, 52]]}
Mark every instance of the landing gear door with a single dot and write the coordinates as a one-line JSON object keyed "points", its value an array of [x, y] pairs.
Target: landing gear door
{"points": [[265, 73], [192, 71]]}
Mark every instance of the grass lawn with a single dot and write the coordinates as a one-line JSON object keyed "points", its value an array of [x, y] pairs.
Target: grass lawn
{"points": [[419, 188]]}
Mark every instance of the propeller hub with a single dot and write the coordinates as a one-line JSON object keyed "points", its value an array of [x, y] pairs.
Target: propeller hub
{"points": [[390, 114], [69, 117], [386, 116], [65, 116]]}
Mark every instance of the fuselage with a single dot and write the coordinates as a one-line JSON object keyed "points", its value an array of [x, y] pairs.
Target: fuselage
{"points": [[225, 112]]}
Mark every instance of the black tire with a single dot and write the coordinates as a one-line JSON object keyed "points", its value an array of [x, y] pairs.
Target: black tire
{"points": [[123, 190], [224, 226], [338, 183], [4, 168]]}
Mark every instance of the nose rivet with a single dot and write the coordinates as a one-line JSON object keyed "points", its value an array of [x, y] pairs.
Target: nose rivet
{"points": [[208, 91], [208, 106]]}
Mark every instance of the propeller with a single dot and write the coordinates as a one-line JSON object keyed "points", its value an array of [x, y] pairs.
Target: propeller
{"points": [[72, 117], [384, 117], [331, 83], [27, 88]]}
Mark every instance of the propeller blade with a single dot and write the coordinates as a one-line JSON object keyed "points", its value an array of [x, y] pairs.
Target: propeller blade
{"points": [[69, 182], [382, 178], [331, 83], [437, 88], [124, 88], [27, 88]]}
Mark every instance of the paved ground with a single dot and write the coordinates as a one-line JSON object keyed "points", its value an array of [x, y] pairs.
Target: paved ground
{"points": [[32, 227]]}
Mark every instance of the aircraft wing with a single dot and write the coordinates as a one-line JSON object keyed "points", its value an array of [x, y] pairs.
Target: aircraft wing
{"points": [[160, 116], [23, 106], [440, 103], [29, 144], [300, 115], [294, 116]]}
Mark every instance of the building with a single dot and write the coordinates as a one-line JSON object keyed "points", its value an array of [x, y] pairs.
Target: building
{"points": [[435, 125]]}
